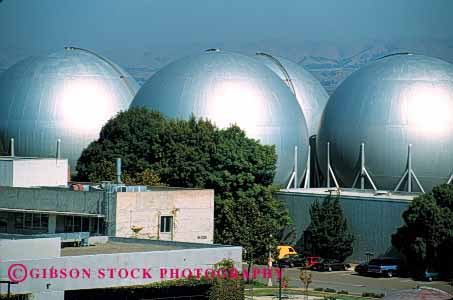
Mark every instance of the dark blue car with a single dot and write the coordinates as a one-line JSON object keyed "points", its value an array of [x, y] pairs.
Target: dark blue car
{"points": [[388, 267]]}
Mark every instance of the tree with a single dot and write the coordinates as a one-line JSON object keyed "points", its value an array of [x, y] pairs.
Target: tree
{"points": [[426, 238], [134, 136], [328, 231], [252, 220], [194, 153]]}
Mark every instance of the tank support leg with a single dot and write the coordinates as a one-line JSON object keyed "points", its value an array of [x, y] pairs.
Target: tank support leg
{"points": [[409, 173], [293, 179], [329, 170], [363, 173], [307, 172]]}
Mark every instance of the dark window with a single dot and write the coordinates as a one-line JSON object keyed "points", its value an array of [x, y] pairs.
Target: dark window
{"points": [[85, 225], [36, 220], [3, 222], [31, 221], [68, 224], [77, 224], [166, 223], [19, 221], [28, 220], [45, 221]]}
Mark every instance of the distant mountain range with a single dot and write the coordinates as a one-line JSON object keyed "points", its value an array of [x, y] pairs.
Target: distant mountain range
{"points": [[329, 62], [331, 72]]}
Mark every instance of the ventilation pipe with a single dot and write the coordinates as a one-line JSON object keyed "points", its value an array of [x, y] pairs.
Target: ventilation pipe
{"points": [[11, 149], [118, 170], [58, 155]]}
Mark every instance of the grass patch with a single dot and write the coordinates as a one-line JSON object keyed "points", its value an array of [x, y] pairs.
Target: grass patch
{"points": [[274, 291]]}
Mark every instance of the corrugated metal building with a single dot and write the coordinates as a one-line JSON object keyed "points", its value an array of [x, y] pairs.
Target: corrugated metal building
{"points": [[372, 216]]}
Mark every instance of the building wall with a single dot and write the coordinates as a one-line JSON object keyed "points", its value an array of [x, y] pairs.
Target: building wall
{"points": [[187, 256], [40, 172], [59, 200], [372, 219], [192, 211], [6, 173], [11, 250]]}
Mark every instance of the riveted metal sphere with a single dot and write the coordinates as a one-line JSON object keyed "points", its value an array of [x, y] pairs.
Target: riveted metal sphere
{"points": [[396, 101], [67, 95], [419, 293], [229, 88], [310, 94]]}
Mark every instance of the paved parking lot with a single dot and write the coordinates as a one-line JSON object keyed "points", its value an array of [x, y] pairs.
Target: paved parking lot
{"points": [[354, 283]]}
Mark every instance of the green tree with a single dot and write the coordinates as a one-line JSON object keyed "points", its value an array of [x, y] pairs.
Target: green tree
{"points": [[328, 231], [194, 153], [426, 238]]}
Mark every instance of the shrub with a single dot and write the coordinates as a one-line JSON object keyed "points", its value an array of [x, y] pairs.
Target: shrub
{"points": [[372, 295], [343, 292]]}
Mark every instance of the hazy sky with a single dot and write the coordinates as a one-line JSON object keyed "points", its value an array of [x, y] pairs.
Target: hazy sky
{"points": [[38, 25]]}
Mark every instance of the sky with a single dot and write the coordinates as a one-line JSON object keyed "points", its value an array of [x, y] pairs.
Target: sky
{"points": [[126, 29]]}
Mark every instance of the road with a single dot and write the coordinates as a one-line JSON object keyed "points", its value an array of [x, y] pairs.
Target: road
{"points": [[354, 283]]}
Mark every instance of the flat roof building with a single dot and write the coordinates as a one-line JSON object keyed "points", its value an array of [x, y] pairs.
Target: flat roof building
{"points": [[47, 271], [373, 216], [31, 171], [160, 213]]}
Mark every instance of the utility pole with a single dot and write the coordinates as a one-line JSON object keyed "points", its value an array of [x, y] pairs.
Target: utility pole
{"points": [[8, 282], [269, 261], [280, 282]]}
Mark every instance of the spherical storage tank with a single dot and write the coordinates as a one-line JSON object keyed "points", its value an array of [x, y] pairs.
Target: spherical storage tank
{"points": [[67, 95], [230, 88], [397, 101], [309, 92]]}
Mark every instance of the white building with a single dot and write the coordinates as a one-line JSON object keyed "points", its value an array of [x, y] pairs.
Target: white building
{"points": [[46, 271], [29, 172]]}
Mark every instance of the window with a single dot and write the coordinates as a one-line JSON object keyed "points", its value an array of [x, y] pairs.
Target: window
{"points": [[68, 224], [166, 223], [3, 222], [85, 225], [31, 221], [77, 224], [19, 221]]}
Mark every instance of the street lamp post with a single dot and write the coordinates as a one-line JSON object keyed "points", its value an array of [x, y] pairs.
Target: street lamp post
{"points": [[280, 282], [269, 261], [8, 282]]}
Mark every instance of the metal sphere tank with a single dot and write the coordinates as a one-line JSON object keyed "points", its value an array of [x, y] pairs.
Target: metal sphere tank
{"points": [[397, 101], [229, 88], [67, 95], [309, 92]]}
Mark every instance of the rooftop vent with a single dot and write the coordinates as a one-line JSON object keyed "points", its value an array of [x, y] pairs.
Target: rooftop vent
{"points": [[213, 50]]}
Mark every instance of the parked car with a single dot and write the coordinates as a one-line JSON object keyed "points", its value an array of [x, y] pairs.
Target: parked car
{"points": [[429, 274], [361, 269], [388, 267], [284, 251], [310, 261], [330, 265], [290, 261]]}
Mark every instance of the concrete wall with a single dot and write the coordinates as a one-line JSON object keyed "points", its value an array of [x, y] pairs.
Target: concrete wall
{"points": [[40, 172], [6, 172], [192, 211], [204, 257], [372, 219], [11, 250], [60, 200]]}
